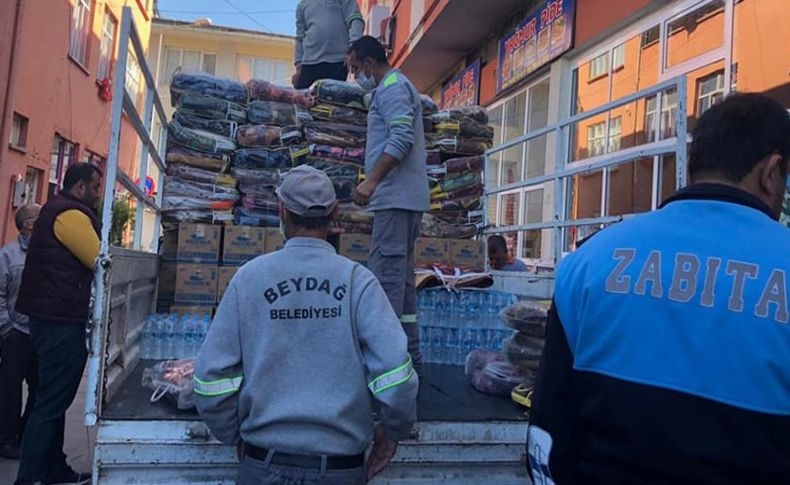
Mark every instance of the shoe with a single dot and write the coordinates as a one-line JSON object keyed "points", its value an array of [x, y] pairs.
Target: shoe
{"points": [[10, 451], [69, 477]]}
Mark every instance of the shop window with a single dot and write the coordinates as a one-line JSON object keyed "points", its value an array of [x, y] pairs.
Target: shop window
{"points": [[107, 48], [599, 66], [495, 120], [514, 126], [188, 60], [695, 33], [63, 154], [710, 90], [277, 72], [618, 57], [80, 30], [669, 110], [19, 132]]}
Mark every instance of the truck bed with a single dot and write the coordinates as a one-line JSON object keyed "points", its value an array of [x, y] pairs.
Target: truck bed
{"points": [[445, 395]]}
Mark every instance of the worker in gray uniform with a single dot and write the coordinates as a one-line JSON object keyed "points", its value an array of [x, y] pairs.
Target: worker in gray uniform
{"points": [[324, 30], [396, 184], [302, 339]]}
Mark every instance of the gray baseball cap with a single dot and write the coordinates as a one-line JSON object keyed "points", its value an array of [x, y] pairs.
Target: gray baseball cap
{"points": [[307, 192]]}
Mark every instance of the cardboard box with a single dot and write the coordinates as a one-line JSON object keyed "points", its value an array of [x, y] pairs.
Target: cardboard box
{"points": [[167, 280], [196, 284], [467, 253], [169, 248], [199, 243], [274, 240], [242, 244], [355, 247], [226, 274], [432, 251], [192, 310]]}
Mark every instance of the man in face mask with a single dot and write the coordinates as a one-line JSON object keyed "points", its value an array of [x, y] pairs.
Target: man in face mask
{"points": [[396, 184]]}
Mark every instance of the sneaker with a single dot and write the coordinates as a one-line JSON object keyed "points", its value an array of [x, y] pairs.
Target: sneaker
{"points": [[10, 451], [69, 477]]}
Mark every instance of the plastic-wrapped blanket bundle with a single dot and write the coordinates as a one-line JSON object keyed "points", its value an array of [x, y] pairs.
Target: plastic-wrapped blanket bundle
{"points": [[197, 82], [339, 93], [526, 317], [466, 113], [196, 174], [223, 128], [199, 140], [251, 136], [211, 108], [523, 351], [274, 158], [277, 113], [490, 373], [428, 105], [256, 177], [335, 134], [457, 145], [339, 114], [247, 217], [457, 182], [465, 129], [209, 161], [435, 227], [180, 203], [177, 186], [259, 90], [463, 204], [354, 156]]}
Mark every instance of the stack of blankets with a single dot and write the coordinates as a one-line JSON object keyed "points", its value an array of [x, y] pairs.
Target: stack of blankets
{"points": [[456, 141]]}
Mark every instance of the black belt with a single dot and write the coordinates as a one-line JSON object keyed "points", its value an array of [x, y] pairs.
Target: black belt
{"points": [[305, 461]]}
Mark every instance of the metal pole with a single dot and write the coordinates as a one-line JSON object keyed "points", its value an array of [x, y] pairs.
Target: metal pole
{"points": [[142, 172], [560, 201], [101, 281], [681, 127]]}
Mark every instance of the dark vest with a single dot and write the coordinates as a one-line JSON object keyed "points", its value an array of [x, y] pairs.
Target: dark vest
{"points": [[56, 286]]}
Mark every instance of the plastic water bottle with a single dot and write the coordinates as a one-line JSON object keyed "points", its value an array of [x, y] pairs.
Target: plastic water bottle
{"points": [[156, 348], [169, 337]]}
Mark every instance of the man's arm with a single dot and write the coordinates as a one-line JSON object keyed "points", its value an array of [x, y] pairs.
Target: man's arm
{"points": [[300, 32], [75, 231], [553, 417], [219, 373], [5, 287], [354, 20]]}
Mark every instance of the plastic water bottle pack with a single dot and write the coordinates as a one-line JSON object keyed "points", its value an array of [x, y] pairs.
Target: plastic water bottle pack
{"points": [[172, 336], [453, 323]]}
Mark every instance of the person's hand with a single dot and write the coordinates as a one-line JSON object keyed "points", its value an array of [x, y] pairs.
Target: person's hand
{"points": [[381, 453], [296, 76], [364, 192]]}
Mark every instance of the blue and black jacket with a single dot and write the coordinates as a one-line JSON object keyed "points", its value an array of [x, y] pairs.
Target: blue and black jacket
{"points": [[667, 354]]}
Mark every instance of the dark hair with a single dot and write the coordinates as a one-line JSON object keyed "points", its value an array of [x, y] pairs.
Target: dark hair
{"points": [[734, 135], [79, 172], [368, 47], [310, 223], [19, 217], [497, 242]]}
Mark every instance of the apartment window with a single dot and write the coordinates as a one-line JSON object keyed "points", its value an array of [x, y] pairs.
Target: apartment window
{"points": [[32, 177], [80, 30], [618, 57], [188, 60], [710, 90], [650, 36], [276, 72], [132, 76], [94, 159], [599, 66], [19, 131], [64, 153], [669, 110], [596, 137], [107, 46]]}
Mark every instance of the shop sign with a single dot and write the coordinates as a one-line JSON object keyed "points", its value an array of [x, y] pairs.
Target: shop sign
{"points": [[463, 89], [538, 40]]}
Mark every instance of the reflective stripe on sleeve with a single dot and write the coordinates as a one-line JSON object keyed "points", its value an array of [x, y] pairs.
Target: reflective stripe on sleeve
{"points": [[408, 319], [391, 379], [217, 388], [402, 120], [353, 17]]}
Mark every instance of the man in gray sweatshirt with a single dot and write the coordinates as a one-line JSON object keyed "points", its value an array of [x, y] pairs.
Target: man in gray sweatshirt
{"points": [[301, 342], [396, 184], [324, 30]]}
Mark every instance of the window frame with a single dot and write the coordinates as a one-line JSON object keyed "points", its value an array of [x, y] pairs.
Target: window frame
{"points": [[165, 79], [718, 91], [64, 159], [79, 35], [272, 68], [106, 61], [20, 143]]}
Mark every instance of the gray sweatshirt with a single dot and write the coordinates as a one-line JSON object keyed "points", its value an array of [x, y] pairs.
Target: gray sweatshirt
{"points": [[12, 262], [395, 127], [301, 341], [325, 29]]}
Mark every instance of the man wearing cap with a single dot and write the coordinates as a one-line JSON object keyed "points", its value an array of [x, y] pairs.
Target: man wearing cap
{"points": [[301, 340]]}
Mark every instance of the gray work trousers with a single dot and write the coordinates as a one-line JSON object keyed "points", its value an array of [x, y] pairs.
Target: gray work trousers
{"points": [[392, 261], [258, 472]]}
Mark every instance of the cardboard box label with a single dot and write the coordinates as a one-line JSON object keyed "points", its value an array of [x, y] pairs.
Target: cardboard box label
{"points": [[226, 274], [198, 243], [196, 284], [432, 251], [274, 240], [242, 244], [355, 247], [467, 253]]}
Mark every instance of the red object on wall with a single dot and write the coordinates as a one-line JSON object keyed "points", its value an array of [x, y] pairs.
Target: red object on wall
{"points": [[105, 90]]}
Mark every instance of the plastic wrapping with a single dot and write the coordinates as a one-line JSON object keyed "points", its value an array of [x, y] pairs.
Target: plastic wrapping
{"points": [[210, 161], [348, 227], [177, 186], [465, 204], [172, 218], [252, 136], [258, 158], [337, 170], [202, 141], [434, 227], [464, 113], [524, 351], [433, 157], [335, 134], [277, 113], [339, 114], [465, 164], [465, 129], [473, 191], [526, 317], [347, 155], [211, 108], [172, 379], [256, 177], [489, 372], [457, 182], [196, 174], [261, 204], [259, 90], [339, 93], [198, 82], [221, 128], [180, 202], [458, 145], [428, 105], [246, 217]]}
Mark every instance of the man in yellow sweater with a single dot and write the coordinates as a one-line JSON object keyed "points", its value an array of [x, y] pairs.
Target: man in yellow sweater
{"points": [[55, 294]]}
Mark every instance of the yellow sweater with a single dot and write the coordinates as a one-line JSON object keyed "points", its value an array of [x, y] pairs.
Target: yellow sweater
{"points": [[75, 231]]}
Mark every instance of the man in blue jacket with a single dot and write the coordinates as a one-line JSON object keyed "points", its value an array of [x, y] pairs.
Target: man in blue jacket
{"points": [[667, 346]]}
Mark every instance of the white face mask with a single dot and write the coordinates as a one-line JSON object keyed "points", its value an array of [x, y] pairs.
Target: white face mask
{"points": [[365, 82]]}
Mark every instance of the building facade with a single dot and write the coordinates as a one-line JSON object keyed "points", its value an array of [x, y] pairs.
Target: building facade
{"points": [[541, 61], [58, 59]]}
